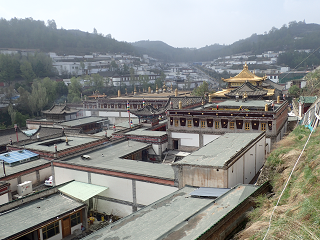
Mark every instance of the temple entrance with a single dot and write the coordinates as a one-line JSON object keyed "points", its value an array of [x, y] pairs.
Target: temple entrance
{"points": [[175, 144]]}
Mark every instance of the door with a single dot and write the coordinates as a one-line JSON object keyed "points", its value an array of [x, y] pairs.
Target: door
{"points": [[175, 144], [66, 229]]}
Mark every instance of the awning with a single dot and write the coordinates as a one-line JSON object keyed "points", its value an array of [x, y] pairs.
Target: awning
{"points": [[81, 191]]}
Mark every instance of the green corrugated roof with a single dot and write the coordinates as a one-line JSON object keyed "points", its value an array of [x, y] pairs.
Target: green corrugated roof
{"points": [[81, 191], [307, 99]]}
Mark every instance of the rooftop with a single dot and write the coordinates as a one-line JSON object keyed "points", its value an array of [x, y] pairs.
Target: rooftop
{"points": [[48, 145], [176, 216], [250, 104], [219, 151], [82, 121], [109, 158], [10, 170], [143, 132], [34, 213]]}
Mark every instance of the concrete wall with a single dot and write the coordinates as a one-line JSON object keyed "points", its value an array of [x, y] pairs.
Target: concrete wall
{"points": [[241, 170], [204, 177]]}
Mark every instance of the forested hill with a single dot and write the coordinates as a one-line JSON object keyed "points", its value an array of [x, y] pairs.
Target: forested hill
{"points": [[33, 34], [295, 35]]}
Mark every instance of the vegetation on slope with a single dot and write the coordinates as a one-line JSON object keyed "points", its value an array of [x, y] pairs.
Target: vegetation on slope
{"points": [[32, 34], [297, 215]]}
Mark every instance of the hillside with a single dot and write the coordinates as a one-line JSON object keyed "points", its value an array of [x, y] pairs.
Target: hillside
{"points": [[33, 34], [297, 215], [294, 36]]}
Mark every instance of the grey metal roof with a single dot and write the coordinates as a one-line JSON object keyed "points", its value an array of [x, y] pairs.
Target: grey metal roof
{"points": [[22, 167], [111, 160], [34, 213], [209, 192], [81, 121], [176, 216], [143, 132], [219, 151], [72, 141], [249, 103]]}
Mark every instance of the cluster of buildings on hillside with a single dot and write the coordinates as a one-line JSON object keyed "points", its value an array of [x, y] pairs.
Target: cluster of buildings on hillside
{"points": [[170, 165]]}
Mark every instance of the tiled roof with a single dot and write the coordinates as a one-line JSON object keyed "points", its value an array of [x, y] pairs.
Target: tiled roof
{"points": [[60, 109], [251, 90], [172, 103]]}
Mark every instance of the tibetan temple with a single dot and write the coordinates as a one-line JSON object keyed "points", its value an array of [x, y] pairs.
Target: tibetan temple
{"points": [[246, 84]]}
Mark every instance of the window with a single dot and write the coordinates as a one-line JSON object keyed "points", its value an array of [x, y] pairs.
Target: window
{"points": [[176, 123], [203, 124], [217, 125], [189, 123], [231, 126], [75, 219], [247, 126], [263, 126], [50, 230]]}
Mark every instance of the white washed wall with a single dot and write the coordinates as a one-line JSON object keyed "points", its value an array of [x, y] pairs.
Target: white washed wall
{"points": [[63, 175], [208, 138], [235, 173], [117, 209], [109, 114], [249, 165], [260, 153], [148, 193], [45, 173], [29, 177], [4, 198], [187, 139], [119, 188]]}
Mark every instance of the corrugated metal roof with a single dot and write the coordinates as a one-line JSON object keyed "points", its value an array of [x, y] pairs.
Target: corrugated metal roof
{"points": [[209, 192], [81, 191], [16, 157]]}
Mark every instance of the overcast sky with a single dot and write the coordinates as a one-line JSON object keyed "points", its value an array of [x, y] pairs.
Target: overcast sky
{"points": [[179, 23]]}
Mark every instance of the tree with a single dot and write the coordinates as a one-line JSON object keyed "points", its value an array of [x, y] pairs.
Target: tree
{"points": [[50, 86], [294, 91], [38, 98], [12, 112], [27, 71], [75, 90], [202, 89], [23, 101]]}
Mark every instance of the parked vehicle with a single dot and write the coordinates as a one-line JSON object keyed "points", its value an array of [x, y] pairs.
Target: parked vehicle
{"points": [[49, 182]]}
